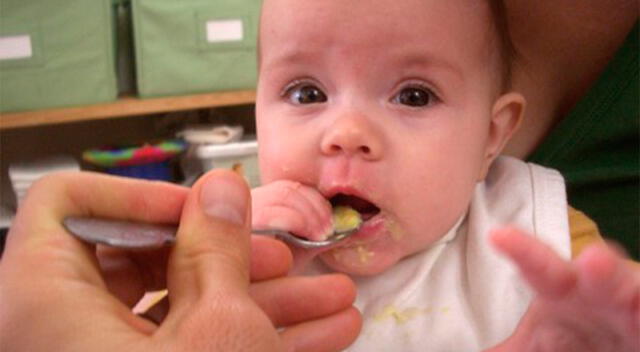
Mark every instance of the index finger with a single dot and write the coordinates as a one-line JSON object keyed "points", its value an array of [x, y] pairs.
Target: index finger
{"points": [[38, 228], [59, 195]]}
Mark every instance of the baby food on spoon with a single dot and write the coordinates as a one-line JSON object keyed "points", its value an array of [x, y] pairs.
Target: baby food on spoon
{"points": [[345, 218]]}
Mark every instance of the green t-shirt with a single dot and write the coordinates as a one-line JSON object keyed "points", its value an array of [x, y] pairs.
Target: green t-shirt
{"points": [[596, 148]]}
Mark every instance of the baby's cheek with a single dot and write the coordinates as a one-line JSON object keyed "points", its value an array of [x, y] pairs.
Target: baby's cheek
{"points": [[274, 164]]}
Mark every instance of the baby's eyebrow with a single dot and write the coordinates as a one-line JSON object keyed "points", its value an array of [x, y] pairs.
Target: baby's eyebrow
{"points": [[419, 59], [430, 61], [410, 60], [286, 57]]}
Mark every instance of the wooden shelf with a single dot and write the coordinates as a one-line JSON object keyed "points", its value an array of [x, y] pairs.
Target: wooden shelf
{"points": [[126, 106]]}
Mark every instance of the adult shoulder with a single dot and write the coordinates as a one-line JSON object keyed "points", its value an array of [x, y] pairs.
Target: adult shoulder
{"points": [[562, 47]]}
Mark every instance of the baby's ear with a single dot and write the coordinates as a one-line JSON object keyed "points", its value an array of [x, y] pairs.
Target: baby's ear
{"points": [[506, 116]]}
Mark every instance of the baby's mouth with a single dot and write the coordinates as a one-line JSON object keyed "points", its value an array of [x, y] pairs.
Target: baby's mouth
{"points": [[366, 209]]}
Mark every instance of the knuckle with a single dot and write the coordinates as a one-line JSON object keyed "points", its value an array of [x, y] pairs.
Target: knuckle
{"points": [[51, 185], [285, 190], [52, 182]]}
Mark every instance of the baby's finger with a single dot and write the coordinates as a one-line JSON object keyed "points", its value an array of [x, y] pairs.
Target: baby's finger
{"points": [[270, 210], [321, 206], [609, 281], [304, 199], [282, 218], [543, 269], [292, 300], [333, 333]]}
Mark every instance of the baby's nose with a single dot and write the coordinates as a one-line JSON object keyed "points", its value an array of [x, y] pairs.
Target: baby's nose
{"points": [[353, 136]]}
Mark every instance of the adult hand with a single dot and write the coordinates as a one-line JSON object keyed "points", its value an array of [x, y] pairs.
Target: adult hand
{"points": [[589, 304], [55, 295]]}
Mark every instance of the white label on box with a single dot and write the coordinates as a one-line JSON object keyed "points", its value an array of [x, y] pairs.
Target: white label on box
{"points": [[224, 30], [15, 47]]}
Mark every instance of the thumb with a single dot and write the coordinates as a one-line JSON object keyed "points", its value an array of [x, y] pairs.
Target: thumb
{"points": [[208, 274], [211, 255]]}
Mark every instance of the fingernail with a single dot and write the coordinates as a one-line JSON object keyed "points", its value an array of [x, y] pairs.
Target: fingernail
{"points": [[223, 198], [328, 232]]}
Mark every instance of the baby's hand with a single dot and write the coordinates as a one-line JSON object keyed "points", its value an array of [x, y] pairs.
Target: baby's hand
{"points": [[589, 304], [293, 207]]}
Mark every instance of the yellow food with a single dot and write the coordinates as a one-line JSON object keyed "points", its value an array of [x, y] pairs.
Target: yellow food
{"points": [[400, 316], [364, 255], [345, 218]]}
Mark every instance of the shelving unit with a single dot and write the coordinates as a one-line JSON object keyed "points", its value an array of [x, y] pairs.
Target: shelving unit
{"points": [[123, 107]]}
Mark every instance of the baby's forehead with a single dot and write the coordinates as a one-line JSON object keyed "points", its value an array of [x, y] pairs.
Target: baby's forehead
{"points": [[308, 14], [457, 28]]}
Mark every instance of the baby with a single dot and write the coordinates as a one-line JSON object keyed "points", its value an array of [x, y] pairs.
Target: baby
{"points": [[399, 109]]}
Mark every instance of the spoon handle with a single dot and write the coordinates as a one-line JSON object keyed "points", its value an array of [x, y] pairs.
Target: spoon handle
{"points": [[140, 236]]}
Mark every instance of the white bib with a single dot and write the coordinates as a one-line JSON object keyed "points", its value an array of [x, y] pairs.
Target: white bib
{"points": [[461, 295]]}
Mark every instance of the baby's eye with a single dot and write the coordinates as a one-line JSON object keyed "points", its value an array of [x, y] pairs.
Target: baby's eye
{"points": [[306, 94], [415, 97]]}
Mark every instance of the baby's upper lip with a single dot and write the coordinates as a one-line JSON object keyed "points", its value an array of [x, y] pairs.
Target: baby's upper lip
{"points": [[346, 194], [346, 190]]}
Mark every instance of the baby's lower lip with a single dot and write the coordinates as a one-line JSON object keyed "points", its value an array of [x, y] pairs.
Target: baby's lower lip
{"points": [[368, 229]]}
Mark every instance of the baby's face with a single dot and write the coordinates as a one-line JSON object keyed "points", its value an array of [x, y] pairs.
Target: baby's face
{"points": [[383, 104]]}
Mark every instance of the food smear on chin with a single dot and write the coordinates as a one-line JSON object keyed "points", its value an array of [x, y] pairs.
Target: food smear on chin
{"points": [[364, 255], [358, 255], [395, 231]]}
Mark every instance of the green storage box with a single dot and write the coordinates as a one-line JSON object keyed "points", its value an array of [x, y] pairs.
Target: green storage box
{"points": [[56, 53], [195, 46]]}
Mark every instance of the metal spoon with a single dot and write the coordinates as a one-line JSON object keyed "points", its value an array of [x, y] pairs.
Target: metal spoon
{"points": [[140, 236]]}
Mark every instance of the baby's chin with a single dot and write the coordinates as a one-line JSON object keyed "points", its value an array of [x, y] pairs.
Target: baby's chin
{"points": [[357, 260]]}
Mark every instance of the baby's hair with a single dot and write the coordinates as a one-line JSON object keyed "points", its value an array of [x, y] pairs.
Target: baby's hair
{"points": [[506, 48]]}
